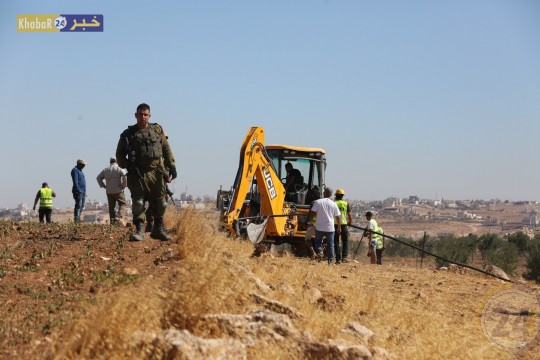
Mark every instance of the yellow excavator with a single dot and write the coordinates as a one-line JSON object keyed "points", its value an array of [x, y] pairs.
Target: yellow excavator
{"points": [[258, 205]]}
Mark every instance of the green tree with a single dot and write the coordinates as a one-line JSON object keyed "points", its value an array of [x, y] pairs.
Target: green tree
{"points": [[488, 243], [533, 260], [458, 250], [395, 248], [505, 257], [521, 240]]}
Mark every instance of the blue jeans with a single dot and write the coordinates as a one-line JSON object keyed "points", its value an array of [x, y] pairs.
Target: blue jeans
{"points": [[329, 235], [79, 205]]}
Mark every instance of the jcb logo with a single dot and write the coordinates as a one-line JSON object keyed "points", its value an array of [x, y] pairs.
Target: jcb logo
{"points": [[269, 184]]}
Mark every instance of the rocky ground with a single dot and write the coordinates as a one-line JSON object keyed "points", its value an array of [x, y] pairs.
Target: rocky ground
{"points": [[85, 291]]}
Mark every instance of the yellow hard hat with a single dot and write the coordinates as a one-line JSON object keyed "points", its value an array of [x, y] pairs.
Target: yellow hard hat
{"points": [[340, 192]]}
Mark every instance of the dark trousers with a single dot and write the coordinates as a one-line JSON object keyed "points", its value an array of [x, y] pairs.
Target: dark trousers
{"points": [[45, 213], [344, 237], [379, 256]]}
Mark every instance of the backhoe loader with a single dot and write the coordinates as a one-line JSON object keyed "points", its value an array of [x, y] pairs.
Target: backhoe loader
{"points": [[258, 206]]}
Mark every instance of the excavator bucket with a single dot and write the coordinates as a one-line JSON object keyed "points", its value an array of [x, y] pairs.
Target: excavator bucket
{"points": [[256, 232]]}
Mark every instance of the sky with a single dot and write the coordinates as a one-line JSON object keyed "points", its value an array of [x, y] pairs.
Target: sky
{"points": [[439, 99]]}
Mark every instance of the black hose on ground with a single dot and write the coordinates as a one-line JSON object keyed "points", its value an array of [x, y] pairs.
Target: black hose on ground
{"points": [[429, 253]]}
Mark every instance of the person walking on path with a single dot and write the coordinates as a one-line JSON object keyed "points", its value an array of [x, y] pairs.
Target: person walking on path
{"points": [[143, 149], [373, 236], [115, 182], [44, 196], [346, 218], [78, 189], [327, 213]]}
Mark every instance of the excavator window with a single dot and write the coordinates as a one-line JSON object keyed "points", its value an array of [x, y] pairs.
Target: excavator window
{"points": [[311, 169]]}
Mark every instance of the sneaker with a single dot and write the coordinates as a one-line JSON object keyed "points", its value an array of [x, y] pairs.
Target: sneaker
{"points": [[319, 257], [345, 260]]}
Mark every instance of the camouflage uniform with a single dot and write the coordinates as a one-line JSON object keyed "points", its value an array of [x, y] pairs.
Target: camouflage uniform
{"points": [[147, 156]]}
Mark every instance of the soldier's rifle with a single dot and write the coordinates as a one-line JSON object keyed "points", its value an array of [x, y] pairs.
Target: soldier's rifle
{"points": [[170, 193]]}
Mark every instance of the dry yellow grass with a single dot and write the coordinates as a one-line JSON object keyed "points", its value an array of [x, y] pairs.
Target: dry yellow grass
{"points": [[414, 313]]}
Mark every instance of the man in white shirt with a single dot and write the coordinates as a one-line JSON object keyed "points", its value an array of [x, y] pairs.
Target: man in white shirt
{"points": [[326, 211], [115, 177]]}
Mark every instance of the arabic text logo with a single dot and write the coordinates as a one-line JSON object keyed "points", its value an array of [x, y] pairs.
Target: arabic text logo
{"points": [[84, 23], [59, 23]]}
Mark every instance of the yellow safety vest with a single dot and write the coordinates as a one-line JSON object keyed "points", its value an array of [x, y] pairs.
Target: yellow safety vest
{"points": [[380, 243], [375, 235], [342, 206], [45, 198]]}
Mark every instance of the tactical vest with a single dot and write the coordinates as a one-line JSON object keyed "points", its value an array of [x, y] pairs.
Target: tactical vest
{"points": [[45, 198], [342, 206], [146, 144]]}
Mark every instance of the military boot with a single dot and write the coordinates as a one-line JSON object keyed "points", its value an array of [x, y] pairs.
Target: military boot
{"points": [[149, 226], [139, 232], [158, 232]]}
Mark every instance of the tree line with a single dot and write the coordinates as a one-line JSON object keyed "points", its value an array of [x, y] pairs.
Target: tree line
{"points": [[491, 248]]}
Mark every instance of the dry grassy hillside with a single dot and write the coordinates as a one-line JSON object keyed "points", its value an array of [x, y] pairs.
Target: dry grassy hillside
{"points": [[86, 292]]}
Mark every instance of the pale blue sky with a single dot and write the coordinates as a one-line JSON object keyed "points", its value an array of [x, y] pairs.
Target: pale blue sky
{"points": [[428, 98]]}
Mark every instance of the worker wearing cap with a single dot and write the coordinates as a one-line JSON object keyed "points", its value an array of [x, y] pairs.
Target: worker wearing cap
{"points": [[44, 196], [143, 149], [373, 236], [346, 218], [78, 189], [115, 182]]}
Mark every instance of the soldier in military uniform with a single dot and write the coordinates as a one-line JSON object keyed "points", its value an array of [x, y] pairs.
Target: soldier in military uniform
{"points": [[144, 151]]}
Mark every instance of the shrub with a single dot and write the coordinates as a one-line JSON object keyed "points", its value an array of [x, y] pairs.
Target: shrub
{"points": [[533, 262], [505, 257], [394, 248], [488, 243], [521, 240], [454, 249]]}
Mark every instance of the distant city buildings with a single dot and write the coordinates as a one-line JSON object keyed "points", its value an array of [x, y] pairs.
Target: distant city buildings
{"points": [[408, 208]]}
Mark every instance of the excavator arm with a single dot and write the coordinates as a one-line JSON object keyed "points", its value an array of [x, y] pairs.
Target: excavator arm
{"points": [[255, 163]]}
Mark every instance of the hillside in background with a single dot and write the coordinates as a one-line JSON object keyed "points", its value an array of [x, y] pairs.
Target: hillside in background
{"points": [[85, 291]]}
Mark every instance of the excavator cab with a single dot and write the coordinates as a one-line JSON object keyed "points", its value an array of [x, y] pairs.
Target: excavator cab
{"points": [[310, 162]]}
